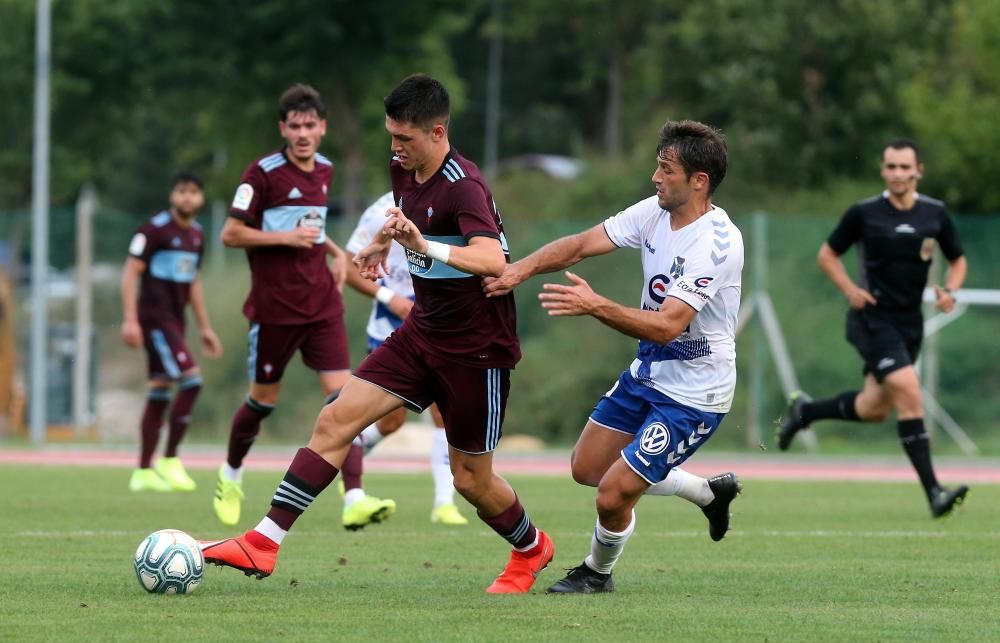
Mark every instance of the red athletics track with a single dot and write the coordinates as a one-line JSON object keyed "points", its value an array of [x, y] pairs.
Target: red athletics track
{"points": [[762, 467]]}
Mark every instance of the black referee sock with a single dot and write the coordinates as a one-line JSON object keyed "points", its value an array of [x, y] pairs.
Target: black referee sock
{"points": [[840, 407], [917, 445]]}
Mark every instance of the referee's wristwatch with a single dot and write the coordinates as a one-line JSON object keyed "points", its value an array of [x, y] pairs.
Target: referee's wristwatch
{"points": [[951, 293]]}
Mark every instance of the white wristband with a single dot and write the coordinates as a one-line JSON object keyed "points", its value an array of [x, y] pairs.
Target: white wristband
{"points": [[384, 295], [438, 251]]}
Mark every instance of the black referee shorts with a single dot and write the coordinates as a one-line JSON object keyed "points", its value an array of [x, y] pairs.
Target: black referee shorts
{"points": [[886, 342]]}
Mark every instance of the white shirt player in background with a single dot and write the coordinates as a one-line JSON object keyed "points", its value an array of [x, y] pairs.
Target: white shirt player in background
{"points": [[673, 396], [392, 297]]}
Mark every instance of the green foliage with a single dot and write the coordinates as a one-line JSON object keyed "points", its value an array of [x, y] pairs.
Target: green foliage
{"points": [[806, 93], [16, 83], [816, 561], [953, 106], [803, 91]]}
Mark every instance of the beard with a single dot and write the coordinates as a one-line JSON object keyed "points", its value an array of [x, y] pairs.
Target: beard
{"points": [[668, 203]]}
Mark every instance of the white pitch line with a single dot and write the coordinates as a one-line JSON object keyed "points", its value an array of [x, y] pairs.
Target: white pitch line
{"points": [[88, 533]]}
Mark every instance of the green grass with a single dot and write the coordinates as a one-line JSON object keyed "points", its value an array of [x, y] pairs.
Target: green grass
{"points": [[806, 561]]}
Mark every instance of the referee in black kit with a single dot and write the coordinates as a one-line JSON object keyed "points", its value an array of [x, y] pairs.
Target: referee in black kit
{"points": [[896, 233]]}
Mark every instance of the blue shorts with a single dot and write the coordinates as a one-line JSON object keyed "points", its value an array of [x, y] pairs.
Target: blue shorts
{"points": [[666, 432]]}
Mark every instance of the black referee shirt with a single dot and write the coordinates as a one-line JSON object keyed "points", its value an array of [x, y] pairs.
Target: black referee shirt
{"points": [[895, 247]]}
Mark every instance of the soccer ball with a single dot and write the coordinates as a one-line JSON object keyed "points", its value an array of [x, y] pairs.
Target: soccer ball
{"points": [[169, 562]]}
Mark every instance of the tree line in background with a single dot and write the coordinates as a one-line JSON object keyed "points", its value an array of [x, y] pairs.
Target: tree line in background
{"points": [[806, 92]]}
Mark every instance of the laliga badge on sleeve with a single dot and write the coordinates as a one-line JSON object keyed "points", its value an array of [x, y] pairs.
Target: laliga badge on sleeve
{"points": [[137, 245], [244, 195]]}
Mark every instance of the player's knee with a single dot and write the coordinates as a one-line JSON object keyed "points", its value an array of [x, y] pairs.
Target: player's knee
{"points": [[879, 414], [583, 474], [470, 483], [190, 381], [876, 411], [467, 484], [907, 400], [609, 502], [331, 425], [268, 398]]}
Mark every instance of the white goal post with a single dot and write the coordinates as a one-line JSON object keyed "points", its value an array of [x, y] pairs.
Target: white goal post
{"points": [[929, 363]]}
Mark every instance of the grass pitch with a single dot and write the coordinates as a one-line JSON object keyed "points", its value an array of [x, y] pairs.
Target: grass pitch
{"points": [[805, 561]]}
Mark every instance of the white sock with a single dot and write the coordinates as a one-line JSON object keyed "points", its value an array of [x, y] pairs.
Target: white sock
{"points": [[271, 529], [353, 495], [534, 543], [233, 475], [684, 485], [371, 435], [606, 546], [444, 483]]}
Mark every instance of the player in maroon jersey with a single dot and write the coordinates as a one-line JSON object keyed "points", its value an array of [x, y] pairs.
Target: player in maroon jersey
{"points": [[456, 348], [278, 215], [163, 262]]}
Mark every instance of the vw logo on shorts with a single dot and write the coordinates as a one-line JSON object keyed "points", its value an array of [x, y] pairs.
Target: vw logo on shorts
{"points": [[655, 439]]}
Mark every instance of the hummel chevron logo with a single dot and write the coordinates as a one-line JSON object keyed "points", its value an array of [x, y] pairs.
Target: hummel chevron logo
{"points": [[722, 246], [716, 259], [691, 440], [719, 224], [722, 234]]}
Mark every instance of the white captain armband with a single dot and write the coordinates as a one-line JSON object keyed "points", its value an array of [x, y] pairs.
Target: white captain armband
{"points": [[384, 295]]}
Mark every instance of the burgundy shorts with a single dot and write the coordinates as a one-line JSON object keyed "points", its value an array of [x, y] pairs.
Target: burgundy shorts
{"points": [[472, 400], [167, 354], [323, 345]]}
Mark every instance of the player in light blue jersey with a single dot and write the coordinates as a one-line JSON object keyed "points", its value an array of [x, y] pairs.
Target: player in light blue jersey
{"points": [[392, 297], [675, 393]]}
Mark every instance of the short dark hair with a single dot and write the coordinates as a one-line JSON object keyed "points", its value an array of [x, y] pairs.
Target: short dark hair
{"points": [[186, 176], [419, 100], [697, 147], [300, 98], [902, 144]]}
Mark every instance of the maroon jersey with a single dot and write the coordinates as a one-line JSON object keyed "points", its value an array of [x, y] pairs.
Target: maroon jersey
{"points": [[288, 285], [172, 254], [451, 313]]}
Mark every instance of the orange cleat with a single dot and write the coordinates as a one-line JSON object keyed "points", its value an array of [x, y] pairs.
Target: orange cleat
{"points": [[523, 568], [248, 553]]}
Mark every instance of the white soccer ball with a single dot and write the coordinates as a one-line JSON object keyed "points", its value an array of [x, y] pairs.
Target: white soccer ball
{"points": [[169, 562]]}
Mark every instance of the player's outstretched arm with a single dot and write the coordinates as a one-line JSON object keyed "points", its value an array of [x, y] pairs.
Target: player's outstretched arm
{"points": [[398, 305], [483, 256], [831, 265], [131, 332], [237, 234], [556, 255], [577, 298]]}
